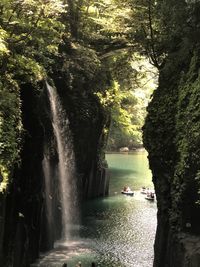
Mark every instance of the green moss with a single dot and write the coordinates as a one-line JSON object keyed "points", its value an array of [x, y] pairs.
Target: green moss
{"points": [[188, 133], [10, 129], [5, 177], [172, 138]]}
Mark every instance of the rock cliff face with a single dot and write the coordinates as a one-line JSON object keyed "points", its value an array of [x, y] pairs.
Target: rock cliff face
{"points": [[78, 77], [171, 136], [23, 219]]}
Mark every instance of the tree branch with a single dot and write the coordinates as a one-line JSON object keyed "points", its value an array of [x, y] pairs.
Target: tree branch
{"points": [[152, 53], [30, 31]]}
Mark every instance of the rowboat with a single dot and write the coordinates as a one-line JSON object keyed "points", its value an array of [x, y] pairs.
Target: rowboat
{"points": [[127, 191], [150, 196]]}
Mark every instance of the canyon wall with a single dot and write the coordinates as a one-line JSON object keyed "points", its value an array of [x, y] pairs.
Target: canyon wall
{"points": [[77, 75], [171, 136]]}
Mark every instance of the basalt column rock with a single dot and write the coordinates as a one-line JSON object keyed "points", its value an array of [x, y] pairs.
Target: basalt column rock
{"points": [[87, 123], [78, 77], [24, 200], [171, 136]]}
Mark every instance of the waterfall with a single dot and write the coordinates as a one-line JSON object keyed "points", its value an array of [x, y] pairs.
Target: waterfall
{"points": [[48, 196], [65, 167], [47, 175]]}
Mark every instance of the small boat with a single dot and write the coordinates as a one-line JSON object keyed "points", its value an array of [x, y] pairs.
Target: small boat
{"points": [[127, 191], [144, 190], [150, 196]]}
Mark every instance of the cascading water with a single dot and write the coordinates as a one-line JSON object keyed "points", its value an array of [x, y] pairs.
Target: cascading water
{"points": [[48, 195], [66, 165]]}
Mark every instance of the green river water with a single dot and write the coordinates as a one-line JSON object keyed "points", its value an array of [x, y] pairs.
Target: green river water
{"points": [[115, 231]]}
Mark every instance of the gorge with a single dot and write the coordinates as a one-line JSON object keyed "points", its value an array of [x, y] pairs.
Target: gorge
{"points": [[88, 51]]}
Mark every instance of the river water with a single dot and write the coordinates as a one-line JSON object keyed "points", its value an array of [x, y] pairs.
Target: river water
{"points": [[116, 231]]}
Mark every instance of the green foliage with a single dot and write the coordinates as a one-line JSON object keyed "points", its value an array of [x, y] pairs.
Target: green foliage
{"points": [[10, 128], [188, 127], [30, 32], [3, 45], [136, 81], [171, 131], [105, 25], [197, 178]]}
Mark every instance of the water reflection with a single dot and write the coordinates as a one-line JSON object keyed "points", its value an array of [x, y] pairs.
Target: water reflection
{"points": [[117, 231], [123, 231]]}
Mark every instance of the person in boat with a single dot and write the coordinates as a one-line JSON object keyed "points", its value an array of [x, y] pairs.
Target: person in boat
{"points": [[125, 188], [152, 195]]}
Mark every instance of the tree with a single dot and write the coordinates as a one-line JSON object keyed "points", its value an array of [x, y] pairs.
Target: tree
{"points": [[30, 32]]}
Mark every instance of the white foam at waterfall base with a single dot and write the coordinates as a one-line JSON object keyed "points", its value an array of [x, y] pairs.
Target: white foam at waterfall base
{"points": [[66, 164]]}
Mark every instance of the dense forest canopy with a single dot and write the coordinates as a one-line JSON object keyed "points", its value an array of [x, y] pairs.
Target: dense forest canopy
{"points": [[118, 36], [129, 111]]}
